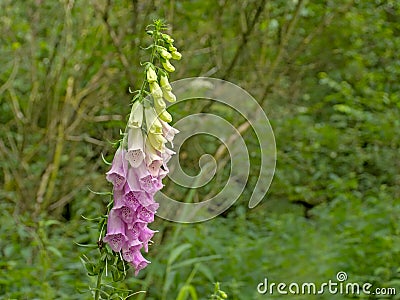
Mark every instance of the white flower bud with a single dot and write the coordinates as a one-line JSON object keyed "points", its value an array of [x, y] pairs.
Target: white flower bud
{"points": [[155, 90], [136, 116], [164, 83], [151, 75], [169, 96]]}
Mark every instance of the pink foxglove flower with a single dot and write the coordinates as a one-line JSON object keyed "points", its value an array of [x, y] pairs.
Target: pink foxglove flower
{"points": [[140, 163], [145, 236], [119, 168], [116, 229], [135, 154], [169, 132]]}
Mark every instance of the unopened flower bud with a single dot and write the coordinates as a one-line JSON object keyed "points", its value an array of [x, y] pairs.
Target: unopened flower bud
{"points": [[167, 38], [164, 83], [172, 48], [165, 116], [151, 75], [169, 96], [176, 55], [167, 66], [159, 105], [155, 90], [164, 53], [136, 116], [157, 141], [152, 122]]}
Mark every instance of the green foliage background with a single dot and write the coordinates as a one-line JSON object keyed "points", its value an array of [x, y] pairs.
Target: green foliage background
{"points": [[327, 74]]}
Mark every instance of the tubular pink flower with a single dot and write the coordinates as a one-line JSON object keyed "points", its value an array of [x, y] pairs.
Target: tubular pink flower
{"points": [[168, 132], [139, 263], [128, 253], [133, 193], [116, 229], [135, 154], [119, 168], [145, 236], [166, 156], [147, 182], [145, 214], [153, 159]]}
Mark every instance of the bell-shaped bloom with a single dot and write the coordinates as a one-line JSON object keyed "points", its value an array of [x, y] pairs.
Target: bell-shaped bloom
{"points": [[116, 231], [129, 252], [153, 159], [147, 182], [135, 154], [168, 132], [134, 195], [127, 215], [134, 232], [153, 124], [163, 171], [119, 168], [166, 156], [136, 116], [139, 262], [145, 236], [146, 214]]}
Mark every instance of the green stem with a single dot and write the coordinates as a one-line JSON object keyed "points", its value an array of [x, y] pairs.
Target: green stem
{"points": [[98, 285]]}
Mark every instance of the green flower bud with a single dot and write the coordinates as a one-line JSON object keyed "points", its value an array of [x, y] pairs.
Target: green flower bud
{"points": [[167, 66], [164, 53], [155, 90], [169, 96], [176, 55], [164, 83], [136, 116], [151, 75], [223, 294], [152, 122], [172, 48], [165, 116], [159, 105], [167, 38]]}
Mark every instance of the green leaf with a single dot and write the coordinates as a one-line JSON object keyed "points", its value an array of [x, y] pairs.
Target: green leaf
{"points": [[185, 291], [176, 252], [194, 260]]}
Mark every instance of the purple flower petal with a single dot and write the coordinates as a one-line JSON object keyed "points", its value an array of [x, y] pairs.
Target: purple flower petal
{"points": [[116, 230], [119, 168], [144, 214]]}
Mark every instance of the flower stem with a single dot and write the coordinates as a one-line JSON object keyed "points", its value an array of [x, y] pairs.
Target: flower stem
{"points": [[98, 285]]}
